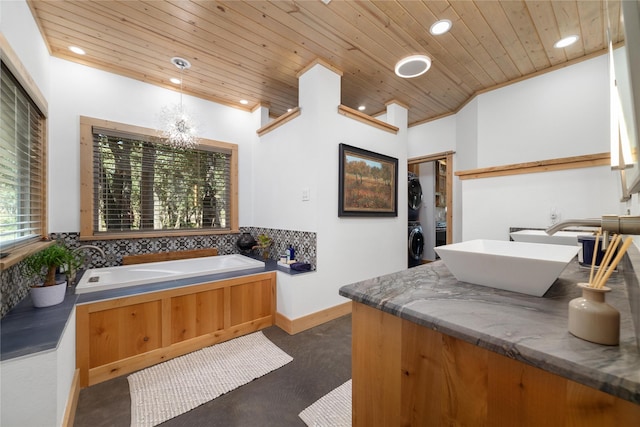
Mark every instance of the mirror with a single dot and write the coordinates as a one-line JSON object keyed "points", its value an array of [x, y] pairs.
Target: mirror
{"points": [[625, 63]]}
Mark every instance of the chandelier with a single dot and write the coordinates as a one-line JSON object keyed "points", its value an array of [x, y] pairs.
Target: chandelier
{"points": [[177, 127]]}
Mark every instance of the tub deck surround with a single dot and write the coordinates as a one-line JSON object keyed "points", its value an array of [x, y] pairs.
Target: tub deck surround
{"points": [[122, 335], [27, 330], [529, 329], [139, 274]]}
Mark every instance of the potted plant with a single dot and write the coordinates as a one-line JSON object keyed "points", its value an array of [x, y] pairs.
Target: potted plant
{"points": [[41, 267], [264, 242]]}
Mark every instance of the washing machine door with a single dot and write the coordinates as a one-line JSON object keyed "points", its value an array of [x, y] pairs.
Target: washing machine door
{"points": [[416, 243], [415, 193]]}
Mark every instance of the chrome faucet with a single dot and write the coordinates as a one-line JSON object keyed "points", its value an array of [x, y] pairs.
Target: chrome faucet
{"points": [[73, 267], [95, 248], [617, 224], [595, 222]]}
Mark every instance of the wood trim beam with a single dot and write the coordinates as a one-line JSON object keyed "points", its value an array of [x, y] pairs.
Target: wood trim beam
{"points": [[72, 400], [447, 156], [18, 254], [276, 123], [430, 157], [168, 256], [293, 326], [366, 119], [586, 161], [449, 196]]}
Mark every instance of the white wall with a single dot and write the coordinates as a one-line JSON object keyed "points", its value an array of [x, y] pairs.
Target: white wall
{"points": [[35, 388], [85, 91], [20, 29], [433, 137], [492, 205], [427, 215], [558, 114], [304, 154]]}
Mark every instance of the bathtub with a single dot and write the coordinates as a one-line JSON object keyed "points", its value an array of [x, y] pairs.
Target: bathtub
{"points": [[100, 279]]}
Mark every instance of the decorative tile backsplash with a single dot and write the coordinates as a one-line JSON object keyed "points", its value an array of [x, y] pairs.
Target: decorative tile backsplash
{"points": [[14, 288]]}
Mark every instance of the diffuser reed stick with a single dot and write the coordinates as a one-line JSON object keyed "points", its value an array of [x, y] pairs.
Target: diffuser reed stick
{"points": [[607, 258], [594, 256], [615, 262]]}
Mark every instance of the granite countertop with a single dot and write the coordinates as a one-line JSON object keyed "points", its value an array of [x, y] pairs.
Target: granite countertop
{"points": [[27, 330], [526, 328]]}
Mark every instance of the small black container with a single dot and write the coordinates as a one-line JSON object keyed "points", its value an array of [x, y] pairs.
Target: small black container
{"points": [[245, 243], [588, 244]]}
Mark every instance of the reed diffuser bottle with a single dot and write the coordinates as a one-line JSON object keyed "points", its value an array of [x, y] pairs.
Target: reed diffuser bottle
{"points": [[592, 319]]}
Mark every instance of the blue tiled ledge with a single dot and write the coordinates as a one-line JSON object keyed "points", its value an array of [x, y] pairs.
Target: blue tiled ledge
{"points": [[27, 329]]}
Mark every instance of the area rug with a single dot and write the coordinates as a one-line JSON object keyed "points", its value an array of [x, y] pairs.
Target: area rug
{"points": [[331, 410], [176, 386]]}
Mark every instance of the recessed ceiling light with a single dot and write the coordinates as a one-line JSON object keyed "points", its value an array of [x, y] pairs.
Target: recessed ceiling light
{"points": [[244, 102], [413, 66], [440, 27], [175, 80], [362, 108], [567, 41], [76, 49]]}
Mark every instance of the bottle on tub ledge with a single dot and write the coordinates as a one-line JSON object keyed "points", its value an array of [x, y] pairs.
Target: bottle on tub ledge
{"points": [[288, 258]]}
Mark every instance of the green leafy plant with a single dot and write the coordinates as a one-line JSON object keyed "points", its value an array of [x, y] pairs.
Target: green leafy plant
{"points": [[264, 241], [42, 265]]}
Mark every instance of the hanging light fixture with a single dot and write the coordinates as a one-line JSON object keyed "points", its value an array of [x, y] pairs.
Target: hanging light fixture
{"points": [[178, 128]]}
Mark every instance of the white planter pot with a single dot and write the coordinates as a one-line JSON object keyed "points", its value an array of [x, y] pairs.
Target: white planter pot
{"points": [[46, 296]]}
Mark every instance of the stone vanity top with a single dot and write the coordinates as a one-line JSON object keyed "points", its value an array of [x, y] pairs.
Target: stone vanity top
{"points": [[26, 330], [526, 328]]}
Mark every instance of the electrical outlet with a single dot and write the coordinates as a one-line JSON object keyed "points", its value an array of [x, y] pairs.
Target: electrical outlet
{"points": [[554, 216], [305, 194]]}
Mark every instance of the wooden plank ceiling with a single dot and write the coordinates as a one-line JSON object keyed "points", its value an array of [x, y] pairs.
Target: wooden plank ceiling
{"points": [[253, 50]]}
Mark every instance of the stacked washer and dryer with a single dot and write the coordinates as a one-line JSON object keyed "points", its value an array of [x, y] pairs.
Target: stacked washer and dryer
{"points": [[416, 238]]}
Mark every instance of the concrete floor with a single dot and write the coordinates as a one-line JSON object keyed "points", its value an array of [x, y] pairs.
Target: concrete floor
{"points": [[321, 362]]}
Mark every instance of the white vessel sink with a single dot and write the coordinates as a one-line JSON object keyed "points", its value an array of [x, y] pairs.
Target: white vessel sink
{"points": [[528, 268], [569, 238]]}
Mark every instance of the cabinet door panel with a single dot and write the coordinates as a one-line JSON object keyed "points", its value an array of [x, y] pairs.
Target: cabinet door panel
{"points": [[122, 332], [250, 301], [196, 314]]}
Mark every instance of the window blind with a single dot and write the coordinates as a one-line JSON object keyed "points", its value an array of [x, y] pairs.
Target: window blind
{"points": [[145, 185], [22, 165]]}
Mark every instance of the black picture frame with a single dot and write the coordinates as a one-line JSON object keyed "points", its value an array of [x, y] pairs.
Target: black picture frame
{"points": [[367, 184]]}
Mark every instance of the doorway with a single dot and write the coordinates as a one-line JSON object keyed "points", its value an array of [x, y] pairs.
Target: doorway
{"points": [[436, 214]]}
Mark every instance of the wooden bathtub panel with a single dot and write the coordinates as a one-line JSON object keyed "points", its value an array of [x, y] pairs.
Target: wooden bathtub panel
{"points": [[123, 332], [250, 301], [196, 314], [118, 336]]}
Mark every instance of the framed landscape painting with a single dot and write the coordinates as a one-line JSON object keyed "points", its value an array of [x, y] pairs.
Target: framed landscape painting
{"points": [[368, 183]]}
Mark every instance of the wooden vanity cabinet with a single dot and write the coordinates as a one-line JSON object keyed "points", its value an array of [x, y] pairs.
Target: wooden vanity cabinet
{"points": [[119, 336], [405, 374]]}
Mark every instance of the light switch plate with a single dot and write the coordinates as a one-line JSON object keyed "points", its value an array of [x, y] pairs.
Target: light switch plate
{"points": [[305, 194]]}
